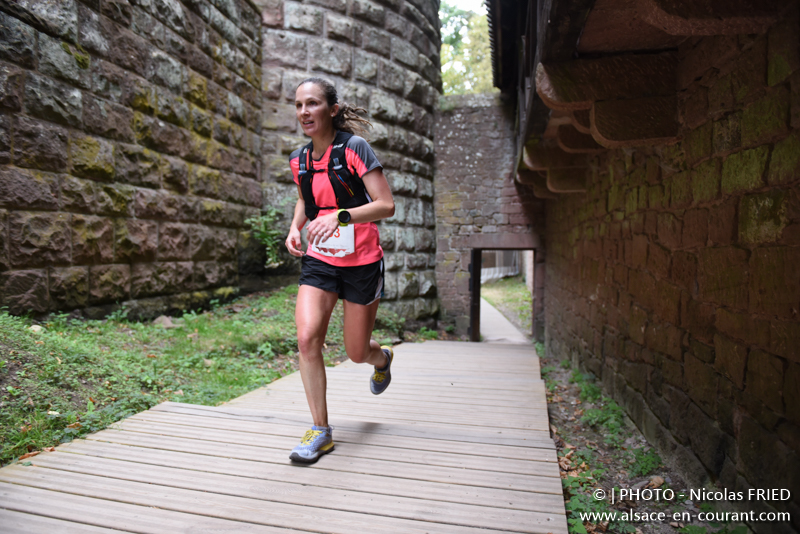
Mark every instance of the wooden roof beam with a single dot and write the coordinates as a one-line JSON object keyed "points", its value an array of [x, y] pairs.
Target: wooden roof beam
{"points": [[542, 159], [572, 141], [629, 123], [567, 180], [710, 17], [576, 85], [537, 181]]}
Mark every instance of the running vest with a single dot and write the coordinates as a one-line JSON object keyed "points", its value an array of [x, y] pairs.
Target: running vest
{"points": [[348, 187]]}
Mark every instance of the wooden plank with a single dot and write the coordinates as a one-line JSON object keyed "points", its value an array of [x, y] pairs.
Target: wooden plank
{"points": [[334, 462], [20, 523], [391, 413], [405, 399], [376, 452], [245, 510], [513, 438], [107, 513], [259, 430], [250, 470], [299, 494]]}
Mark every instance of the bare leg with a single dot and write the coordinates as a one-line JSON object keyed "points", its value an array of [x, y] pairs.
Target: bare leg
{"points": [[312, 314], [359, 321]]}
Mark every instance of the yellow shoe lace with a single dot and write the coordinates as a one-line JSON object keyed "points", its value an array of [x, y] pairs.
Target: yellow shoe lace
{"points": [[309, 436], [378, 376]]}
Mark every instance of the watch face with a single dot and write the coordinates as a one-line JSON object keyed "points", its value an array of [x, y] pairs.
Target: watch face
{"points": [[344, 217]]}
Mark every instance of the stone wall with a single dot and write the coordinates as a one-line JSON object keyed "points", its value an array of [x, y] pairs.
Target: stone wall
{"points": [[136, 136], [383, 57], [476, 195], [675, 279]]}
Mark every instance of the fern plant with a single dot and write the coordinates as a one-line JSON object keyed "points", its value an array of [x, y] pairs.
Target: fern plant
{"points": [[267, 232]]}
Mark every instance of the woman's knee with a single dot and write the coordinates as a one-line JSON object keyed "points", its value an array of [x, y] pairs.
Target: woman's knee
{"points": [[360, 354], [309, 343]]}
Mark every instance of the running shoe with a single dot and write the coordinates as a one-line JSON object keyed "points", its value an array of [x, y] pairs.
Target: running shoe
{"points": [[381, 377], [315, 443]]}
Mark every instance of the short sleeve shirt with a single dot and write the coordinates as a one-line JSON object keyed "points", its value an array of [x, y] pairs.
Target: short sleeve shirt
{"points": [[360, 160]]}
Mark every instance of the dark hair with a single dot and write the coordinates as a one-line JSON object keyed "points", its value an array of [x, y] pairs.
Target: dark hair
{"points": [[348, 119]]}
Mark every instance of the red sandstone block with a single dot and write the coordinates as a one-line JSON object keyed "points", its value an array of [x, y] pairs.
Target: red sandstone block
{"points": [[749, 76], [684, 270], [92, 240], [744, 327], [722, 228], [791, 392], [783, 51], [669, 230], [702, 382], [698, 318], [785, 339], [667, 303], [24, 291], [666, 339], [765, 379], [723, 275], [695, 229], [731, 359], [775, 282], [659, 260], [109, 283]]}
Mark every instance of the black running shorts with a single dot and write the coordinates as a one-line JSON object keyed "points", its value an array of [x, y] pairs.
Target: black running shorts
{"points": [[362, 284]]}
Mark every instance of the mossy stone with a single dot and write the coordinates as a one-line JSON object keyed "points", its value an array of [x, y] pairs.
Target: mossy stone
{"points": [[705, 181], [767, 118], [92, 158], [762, 217], [744, 171], [784, 165]]}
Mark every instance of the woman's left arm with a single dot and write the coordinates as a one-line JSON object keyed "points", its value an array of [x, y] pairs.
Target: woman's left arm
{"points": [[382, 205]]}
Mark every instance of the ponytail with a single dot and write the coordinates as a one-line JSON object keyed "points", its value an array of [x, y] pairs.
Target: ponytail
{"points": [[348, 119]]}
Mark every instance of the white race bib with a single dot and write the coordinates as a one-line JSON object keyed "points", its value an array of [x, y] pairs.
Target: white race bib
{"points": [[340, 244]]}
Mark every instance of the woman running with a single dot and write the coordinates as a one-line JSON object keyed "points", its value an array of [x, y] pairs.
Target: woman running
{"points": [[342, 191]]}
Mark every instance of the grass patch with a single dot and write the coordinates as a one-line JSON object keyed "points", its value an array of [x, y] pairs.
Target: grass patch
{"points": [[510, 296], [75, 377], [644, 462]]}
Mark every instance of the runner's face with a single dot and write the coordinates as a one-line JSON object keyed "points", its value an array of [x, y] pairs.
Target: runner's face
{"points": [[313, 112]]}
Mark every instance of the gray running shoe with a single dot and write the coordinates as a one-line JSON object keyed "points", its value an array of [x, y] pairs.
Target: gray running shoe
{"points": [[315, 443], [381, 377]]}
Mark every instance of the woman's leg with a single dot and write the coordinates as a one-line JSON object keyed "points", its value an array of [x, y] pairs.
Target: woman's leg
{"points": [[359, 320], [312, 314]]}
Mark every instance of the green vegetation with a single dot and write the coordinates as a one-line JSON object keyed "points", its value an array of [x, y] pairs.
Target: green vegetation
{"points": [[466, 54], [268, 233], [512, 298], [644, 462], [72, 377]]}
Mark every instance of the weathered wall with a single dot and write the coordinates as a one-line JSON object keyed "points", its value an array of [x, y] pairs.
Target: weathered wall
{"points": [[383, 57], [475, 192], [131, 146], [675, 279]]}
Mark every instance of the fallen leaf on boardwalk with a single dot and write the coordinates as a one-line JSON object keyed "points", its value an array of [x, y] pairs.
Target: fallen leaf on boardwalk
{"points": [[553, 429], [655, 482], [76, 424], [50, 449], [29, 455]]}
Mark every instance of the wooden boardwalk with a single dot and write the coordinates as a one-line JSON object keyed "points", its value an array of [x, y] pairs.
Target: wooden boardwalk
{"points": [[459, 443]]}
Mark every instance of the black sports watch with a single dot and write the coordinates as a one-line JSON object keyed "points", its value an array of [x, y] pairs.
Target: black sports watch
{"points": [[343, 216]]}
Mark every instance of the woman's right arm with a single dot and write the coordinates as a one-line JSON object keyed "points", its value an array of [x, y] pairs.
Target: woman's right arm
{"points": [[294, 242]]}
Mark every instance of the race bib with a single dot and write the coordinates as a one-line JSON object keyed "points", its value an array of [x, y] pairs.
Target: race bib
{"points": [[340, 244]]}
